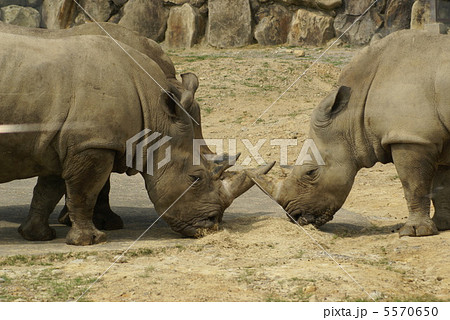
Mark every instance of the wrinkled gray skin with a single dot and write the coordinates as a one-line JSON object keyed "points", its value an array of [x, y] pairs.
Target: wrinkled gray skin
{"points": [[73, 107], [393, 105], [104, 218]]}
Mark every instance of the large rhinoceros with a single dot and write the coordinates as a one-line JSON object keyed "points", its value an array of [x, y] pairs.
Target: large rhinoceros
{"points": [[392, 105], [104, 218], [67, 108]]}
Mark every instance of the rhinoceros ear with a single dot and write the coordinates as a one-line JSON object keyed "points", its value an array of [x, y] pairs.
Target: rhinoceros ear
{"points": [[190, 82], [172, 105], [333, 104]]}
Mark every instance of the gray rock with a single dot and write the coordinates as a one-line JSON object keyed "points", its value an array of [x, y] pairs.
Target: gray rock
{"points": [[23, 3], [274, 25], [99, 10], [21, 16], [356, 7], [76, 261], [57, 14], [182, 26], [148, 18], [329, 4], [313, 4], [230, 23], [115, 18], [194, 3], [310, 28], [398, 15], [362, 32], [119, 2], [420, 14]]}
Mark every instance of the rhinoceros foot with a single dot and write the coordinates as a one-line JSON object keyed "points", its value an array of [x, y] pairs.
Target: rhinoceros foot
{"points": [[104, 219], [34, 232], [107, 220], [84, 235], [418, 229]]}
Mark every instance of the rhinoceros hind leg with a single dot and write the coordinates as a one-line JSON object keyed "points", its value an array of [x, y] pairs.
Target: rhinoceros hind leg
{"points": [[85, 176], [47, 193], [441, 198], [63, 217], [104, 218], [416, 167]]}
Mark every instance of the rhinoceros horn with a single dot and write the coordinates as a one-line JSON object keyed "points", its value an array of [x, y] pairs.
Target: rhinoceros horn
{"points": [[267, 184], [237, 182]]}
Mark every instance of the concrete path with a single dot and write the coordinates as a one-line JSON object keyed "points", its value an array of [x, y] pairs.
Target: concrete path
{"points": [[129, 199]]}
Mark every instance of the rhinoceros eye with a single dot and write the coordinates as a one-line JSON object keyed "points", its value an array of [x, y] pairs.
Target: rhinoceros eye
{"points": [[311, 172], [194, 178]]}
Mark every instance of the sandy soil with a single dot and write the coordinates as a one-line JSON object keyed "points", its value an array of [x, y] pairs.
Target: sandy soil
{"points": [[258, 255]]}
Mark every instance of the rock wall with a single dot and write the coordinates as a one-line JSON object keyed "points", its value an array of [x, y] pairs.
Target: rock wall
{"points": [[228, 23]]}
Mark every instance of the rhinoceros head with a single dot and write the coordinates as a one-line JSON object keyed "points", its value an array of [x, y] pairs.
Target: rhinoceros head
{"points": [[190, 191], [312, 193]]}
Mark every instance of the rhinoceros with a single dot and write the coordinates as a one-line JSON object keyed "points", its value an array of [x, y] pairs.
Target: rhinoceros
{"points": [[392, 105], [67, 108], [104, 218]]}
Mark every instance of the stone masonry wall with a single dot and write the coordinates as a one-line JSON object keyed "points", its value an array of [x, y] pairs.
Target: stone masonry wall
{"points": [[227, 23]]}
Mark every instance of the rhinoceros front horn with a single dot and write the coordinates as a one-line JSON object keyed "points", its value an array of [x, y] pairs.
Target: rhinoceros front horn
{"points": [[268, 185], [236, 183]]}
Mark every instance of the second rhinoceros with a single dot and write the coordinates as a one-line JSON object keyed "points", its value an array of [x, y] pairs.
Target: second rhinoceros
{"points": [[104, 218], [68, 107], [392, 105]]}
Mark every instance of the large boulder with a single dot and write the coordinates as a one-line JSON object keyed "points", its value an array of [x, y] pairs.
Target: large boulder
{"points": [[398, 15], [99, 10], [420, 14], [329, 4], [362, 31], [229, 23], [315, 4], [195, 3], [356, 7], [119, 2], [148, 18], [182, 26], [21, 16], [310, 28], [274, 24], [23, 3], [57, 14]]}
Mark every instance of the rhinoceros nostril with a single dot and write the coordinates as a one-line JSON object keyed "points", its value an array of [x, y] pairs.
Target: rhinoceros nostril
{"points": [[213, 219]]}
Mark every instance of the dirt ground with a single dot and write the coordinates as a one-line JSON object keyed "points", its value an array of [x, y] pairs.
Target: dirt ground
{"points": [[257, 255]]}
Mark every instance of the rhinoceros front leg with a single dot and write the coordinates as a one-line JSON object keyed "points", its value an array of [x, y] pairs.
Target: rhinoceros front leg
{"points": [[441, 198], [85, 175], [104, 218], [416, 167], [46, 195]]}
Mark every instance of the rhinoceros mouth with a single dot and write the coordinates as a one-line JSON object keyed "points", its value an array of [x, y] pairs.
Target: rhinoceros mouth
{"points": [[317, 218], [201, 227]]}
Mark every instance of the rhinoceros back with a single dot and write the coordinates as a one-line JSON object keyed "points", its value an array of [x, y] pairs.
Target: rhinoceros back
{"points": [[407, 96], [62, 96]]}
